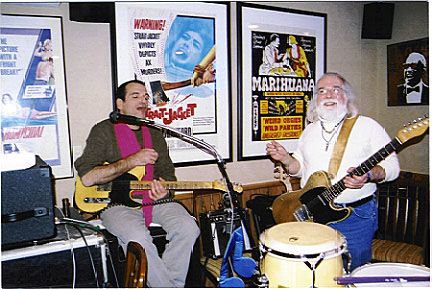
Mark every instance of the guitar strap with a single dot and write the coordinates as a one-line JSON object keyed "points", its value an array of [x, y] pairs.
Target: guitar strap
{"points": [[339, 148], [128, 145]]}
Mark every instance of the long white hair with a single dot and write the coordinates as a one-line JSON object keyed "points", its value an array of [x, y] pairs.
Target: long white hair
{"points": [[312, 114]]}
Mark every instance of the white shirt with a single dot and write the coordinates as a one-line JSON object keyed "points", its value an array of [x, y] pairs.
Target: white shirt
{"points": [[414, 96], [366, 138]]}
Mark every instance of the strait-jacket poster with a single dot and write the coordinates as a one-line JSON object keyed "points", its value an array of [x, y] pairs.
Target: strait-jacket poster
{"points": [[283, 78], [176, 55]]}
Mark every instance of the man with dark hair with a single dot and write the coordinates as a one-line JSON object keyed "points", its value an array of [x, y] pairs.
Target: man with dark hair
{"points": [[115, 149], [189, 41], [414, 90]]}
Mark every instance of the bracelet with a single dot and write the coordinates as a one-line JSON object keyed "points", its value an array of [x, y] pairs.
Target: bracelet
{"points": [[368, 177]]}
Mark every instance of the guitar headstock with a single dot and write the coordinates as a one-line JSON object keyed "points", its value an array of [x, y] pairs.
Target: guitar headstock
{"points": [[412, 130], [222, 186]]}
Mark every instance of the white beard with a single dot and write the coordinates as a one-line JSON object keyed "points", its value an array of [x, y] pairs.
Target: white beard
{"points": [[330, 114]]}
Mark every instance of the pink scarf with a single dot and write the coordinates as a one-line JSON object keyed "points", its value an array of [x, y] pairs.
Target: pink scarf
{"points": [[129, 145]]}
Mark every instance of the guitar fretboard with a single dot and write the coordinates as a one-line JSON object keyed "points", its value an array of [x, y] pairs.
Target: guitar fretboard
{"points": [[332, 192], [138, 185]]}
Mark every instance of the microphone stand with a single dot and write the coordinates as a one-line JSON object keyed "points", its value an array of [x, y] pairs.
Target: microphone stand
{"points": [[199, 143], [206, 147], [202, 145]]}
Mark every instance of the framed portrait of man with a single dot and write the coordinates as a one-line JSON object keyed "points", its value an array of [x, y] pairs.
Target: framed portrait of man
{"points": [[408, 73]]}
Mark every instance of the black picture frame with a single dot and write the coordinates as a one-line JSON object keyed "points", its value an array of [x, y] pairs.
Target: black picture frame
{"points": [[415, 51], [221, 136], [35, 44], [261, 98]]}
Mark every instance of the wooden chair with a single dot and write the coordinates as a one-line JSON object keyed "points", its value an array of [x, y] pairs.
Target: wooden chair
{"points": [[403, 215], [136, 266]]}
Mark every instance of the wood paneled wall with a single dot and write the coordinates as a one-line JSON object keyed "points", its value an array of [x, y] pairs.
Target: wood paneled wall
{"points": [[201, 201]]}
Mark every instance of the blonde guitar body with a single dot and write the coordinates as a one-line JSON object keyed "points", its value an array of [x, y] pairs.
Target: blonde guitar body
{"points": [[121, 191]]}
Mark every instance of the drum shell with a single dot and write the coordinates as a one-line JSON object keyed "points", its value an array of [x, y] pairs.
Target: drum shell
{"points": [[286, 267]]}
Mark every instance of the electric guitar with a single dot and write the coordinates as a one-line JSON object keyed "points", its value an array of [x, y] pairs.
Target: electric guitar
{"points": [[120, 191], [315, 202]]}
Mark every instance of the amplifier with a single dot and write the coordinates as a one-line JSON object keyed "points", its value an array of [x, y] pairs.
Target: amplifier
{"points": [[68, 261], [215, 230], [27, 204]]}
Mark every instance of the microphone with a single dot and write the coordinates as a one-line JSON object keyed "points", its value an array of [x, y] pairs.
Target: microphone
{"points": [[129, 119]]}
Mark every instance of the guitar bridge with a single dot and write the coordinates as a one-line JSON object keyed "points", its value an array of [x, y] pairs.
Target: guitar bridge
{"points": [[302, 214], [97, 200]]}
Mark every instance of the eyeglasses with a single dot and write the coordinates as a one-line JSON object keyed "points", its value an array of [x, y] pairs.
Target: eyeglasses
{"points": [[412, 65], [336, 91]]}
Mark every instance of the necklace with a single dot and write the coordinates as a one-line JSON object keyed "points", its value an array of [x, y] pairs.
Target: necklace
{"points": [[332, 132]]}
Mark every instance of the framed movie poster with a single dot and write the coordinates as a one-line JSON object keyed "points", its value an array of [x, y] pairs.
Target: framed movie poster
{"points": [[180, 50], [408, 73], [34, 104], [281, 54]]}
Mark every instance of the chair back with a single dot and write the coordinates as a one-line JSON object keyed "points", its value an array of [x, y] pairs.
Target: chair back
{"points": [[403, 210], [136, 266]]}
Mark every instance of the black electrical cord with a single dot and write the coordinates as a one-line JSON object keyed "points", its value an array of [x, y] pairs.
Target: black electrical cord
{"points": [[88, 250], [96, 229]]}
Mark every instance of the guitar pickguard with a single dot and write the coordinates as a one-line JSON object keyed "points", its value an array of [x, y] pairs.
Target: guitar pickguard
{"points": [[311, 194], [117, 194], [306, 204]]}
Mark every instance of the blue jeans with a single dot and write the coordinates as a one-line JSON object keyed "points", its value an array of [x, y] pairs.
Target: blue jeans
{"points": [[359, 229]]}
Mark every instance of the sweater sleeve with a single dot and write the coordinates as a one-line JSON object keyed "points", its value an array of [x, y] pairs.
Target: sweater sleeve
{"points": [[164, 166], [101, 147]]}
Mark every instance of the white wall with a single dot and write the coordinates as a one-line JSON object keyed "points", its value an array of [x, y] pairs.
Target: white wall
{"points": [[362, 61]]}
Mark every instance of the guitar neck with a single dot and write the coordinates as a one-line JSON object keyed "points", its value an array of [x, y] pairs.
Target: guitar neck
{"points": [[332, 192], [146, 185]]}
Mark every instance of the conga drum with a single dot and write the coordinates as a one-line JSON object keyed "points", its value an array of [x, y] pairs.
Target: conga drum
{"points": [[302, 254]]}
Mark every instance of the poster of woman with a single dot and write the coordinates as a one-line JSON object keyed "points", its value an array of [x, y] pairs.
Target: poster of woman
{"points": [[282, 83], [33, 99]]}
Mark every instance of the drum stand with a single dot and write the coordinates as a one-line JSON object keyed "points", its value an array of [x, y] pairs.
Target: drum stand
{"points": [[313, 267]]}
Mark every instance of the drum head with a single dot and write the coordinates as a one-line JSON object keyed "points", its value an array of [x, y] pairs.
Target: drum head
{"points": [[391, 269], [302, 238]]}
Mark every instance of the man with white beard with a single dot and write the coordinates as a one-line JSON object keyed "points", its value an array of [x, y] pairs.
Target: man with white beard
{"points": [[331, 106]]}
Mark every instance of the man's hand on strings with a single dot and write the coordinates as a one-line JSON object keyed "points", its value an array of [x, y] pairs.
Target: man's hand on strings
{"points": [[157, 191]]}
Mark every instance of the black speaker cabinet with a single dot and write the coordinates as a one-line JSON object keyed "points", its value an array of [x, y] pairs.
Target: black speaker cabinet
{"points": [[95, 12], [215, 231], [66, 261], [27, 204], [377, 21]]}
